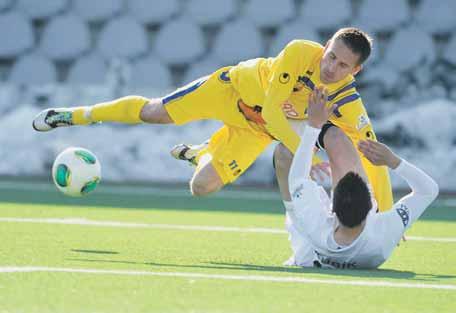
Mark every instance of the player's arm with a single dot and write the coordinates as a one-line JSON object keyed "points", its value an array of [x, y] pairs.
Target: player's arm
{"points": [[305, 194], [408, 209], [285, 73]]}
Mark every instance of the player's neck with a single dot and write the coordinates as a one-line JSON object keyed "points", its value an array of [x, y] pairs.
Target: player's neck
{"points": [[346, 235]]}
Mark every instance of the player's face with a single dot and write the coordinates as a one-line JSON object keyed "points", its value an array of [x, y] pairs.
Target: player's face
{"points": [[338, 61]]}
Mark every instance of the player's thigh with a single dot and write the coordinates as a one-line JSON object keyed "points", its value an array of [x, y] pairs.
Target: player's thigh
{"points": [[234, 149], [205, 180], [282, 156], [200, 99]]}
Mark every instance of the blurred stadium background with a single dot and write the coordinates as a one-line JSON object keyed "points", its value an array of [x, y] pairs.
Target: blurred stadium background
{"points": [[79, 52]]}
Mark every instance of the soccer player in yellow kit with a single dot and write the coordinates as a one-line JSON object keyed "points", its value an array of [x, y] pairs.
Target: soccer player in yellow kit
{"points": [[253, 99]]}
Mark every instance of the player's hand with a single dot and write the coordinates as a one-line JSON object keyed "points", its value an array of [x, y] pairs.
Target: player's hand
{"points": [[318, 113], [378, 153], [320, 171]]}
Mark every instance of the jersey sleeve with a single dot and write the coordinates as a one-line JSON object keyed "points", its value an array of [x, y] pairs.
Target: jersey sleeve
{"points": [[308, 206], [296, 57], [350, 115], [409, 208]]}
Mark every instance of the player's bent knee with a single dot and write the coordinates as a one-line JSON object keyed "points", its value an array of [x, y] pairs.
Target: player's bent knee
{"points": [[282, 156], [336, 140], [201, 187], [205, 181], [154, 112], [339, 147], [335, 135]]}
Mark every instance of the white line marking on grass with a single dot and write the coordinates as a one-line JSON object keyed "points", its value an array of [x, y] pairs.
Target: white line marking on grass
{"points": [[87, 222], [284, 279], [435, 239]]}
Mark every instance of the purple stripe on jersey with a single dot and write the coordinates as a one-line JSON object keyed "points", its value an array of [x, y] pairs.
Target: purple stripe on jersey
{"points": [[348, 87], [181, 93], [306, 80], [343, 101]]}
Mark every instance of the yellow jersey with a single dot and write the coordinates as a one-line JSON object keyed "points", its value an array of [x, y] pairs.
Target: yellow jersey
{"points": [[281, 87]]}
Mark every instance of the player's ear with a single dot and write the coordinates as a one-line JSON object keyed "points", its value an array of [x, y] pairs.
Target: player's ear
{"points": [[357, 69]]}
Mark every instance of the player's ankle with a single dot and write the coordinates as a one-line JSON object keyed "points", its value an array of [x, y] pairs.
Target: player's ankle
{"points": [[82, 115]]}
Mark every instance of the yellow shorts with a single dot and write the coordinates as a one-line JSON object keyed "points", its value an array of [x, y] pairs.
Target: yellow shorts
{"points": [[236, 145]]}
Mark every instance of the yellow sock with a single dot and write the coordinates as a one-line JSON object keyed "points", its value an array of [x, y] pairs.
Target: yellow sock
{"points": [[80, 116], [122, 110]]}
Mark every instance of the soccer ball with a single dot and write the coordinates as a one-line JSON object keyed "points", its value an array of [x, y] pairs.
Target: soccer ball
{"points": [[76, 172]]}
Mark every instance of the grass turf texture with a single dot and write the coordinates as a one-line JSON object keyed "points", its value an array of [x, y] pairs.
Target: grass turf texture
{"points": [[125, 250]]}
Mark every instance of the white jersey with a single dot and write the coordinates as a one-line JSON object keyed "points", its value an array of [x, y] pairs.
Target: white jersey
{"points": [[311, 222]]}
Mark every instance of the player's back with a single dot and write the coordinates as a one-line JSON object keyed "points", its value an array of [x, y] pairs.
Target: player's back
{"points": [[366, 251], [251, 78]]}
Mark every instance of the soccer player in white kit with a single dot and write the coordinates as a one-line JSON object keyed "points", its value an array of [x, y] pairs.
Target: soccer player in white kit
{"points": [[348, 233]]}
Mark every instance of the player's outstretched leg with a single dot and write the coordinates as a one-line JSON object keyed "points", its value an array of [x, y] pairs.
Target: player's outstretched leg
{"points": [[129, 110]]}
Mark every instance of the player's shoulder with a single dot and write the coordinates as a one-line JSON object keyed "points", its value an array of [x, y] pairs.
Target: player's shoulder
{"points": [[304, 46], [344, 91]]}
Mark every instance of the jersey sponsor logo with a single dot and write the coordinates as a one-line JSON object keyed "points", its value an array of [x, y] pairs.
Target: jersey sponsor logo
{"points": [[404, 214], [284, 78], [325, 260], [289, 110], [363, 121]]}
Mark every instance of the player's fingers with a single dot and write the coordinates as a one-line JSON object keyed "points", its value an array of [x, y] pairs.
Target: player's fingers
{"points": [[332, 109], [312, 97], [324, 93], [365, 148], [317, 94], [370, 155], [363, 144]]}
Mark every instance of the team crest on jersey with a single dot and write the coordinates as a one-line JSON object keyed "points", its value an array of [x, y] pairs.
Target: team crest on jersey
{"points": [[225, 77], [404, 214], [284, 78], [363, 121]]}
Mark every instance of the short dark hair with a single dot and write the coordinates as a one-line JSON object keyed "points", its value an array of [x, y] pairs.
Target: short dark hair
{"points": [[356, 40], [351, 200]]}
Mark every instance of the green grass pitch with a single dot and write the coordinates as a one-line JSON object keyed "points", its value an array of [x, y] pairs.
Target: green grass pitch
{"points": [[140, 250]]}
